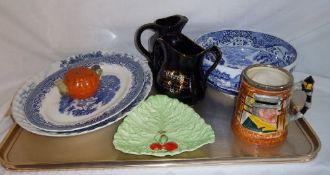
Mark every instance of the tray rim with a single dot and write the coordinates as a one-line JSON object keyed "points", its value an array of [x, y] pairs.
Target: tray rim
{"points": [[12, 137]]}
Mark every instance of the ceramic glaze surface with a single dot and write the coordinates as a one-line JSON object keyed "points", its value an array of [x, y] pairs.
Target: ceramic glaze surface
{"points": [[243, 48], [269, 77], [162, 126], [21, 97], [264, 108], [110, 84], [40, 110], [171, 25], [180, 75]]}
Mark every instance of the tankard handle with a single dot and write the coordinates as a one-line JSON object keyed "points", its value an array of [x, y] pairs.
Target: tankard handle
{"points": [[137, 38], [218, 55], [306, 86]]}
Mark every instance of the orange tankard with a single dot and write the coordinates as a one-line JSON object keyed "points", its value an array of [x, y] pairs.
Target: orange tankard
{"points": [[264, 107]]}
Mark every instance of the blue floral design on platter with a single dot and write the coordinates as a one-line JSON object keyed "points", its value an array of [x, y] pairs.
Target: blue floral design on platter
{"points": [[144, 93], [34, 101], [20, 99], [240, 49], [78, 58], [109, 85]]}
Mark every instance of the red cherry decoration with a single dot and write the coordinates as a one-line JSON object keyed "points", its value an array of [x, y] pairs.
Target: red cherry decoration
{"points": [[170, 146], [156, 146]]}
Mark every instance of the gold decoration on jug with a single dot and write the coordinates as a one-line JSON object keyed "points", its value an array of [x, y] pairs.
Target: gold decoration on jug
{"points": [[175, 81]]}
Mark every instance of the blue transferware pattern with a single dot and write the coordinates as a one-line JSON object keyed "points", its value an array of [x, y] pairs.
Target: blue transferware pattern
{"points": [[21, 97], [71, 61], [34, 101], [144, 93], [109, 85], [240, 49]]}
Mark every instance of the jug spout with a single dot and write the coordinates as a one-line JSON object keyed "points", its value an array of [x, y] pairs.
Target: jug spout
{"points": [[171, 24]]}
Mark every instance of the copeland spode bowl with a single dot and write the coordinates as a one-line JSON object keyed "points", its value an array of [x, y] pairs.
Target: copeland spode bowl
{"points": [[240, 49]]}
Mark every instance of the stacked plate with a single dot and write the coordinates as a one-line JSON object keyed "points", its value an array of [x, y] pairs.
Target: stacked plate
{"points": [[39, 107]]}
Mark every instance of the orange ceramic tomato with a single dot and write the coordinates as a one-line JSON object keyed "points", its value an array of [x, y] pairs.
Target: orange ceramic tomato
{"points": [[81, 82]]}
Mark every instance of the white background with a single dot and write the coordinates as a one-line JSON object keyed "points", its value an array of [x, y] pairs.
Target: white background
{"points": [[35, 33]]}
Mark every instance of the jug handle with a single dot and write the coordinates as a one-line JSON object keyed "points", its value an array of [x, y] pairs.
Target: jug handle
{"points": [[307, 87], [218, 55], [138, 33]]}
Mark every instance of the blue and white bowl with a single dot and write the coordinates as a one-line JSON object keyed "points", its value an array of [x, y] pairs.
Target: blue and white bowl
{"points": [[240, 49]]}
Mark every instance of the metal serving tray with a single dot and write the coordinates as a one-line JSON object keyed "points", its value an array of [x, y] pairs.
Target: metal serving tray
{"points": [[22, 150]]}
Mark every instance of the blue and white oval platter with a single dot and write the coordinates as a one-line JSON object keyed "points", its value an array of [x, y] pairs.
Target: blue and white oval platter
{"points": [[22, 95], [42, 106]]}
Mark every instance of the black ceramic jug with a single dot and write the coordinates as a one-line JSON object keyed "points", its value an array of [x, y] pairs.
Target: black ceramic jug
{"points": [[171, 25], [180, 75]]}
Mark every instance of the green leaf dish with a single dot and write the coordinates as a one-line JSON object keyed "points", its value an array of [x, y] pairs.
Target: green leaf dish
{"points": [[162, 126]]}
